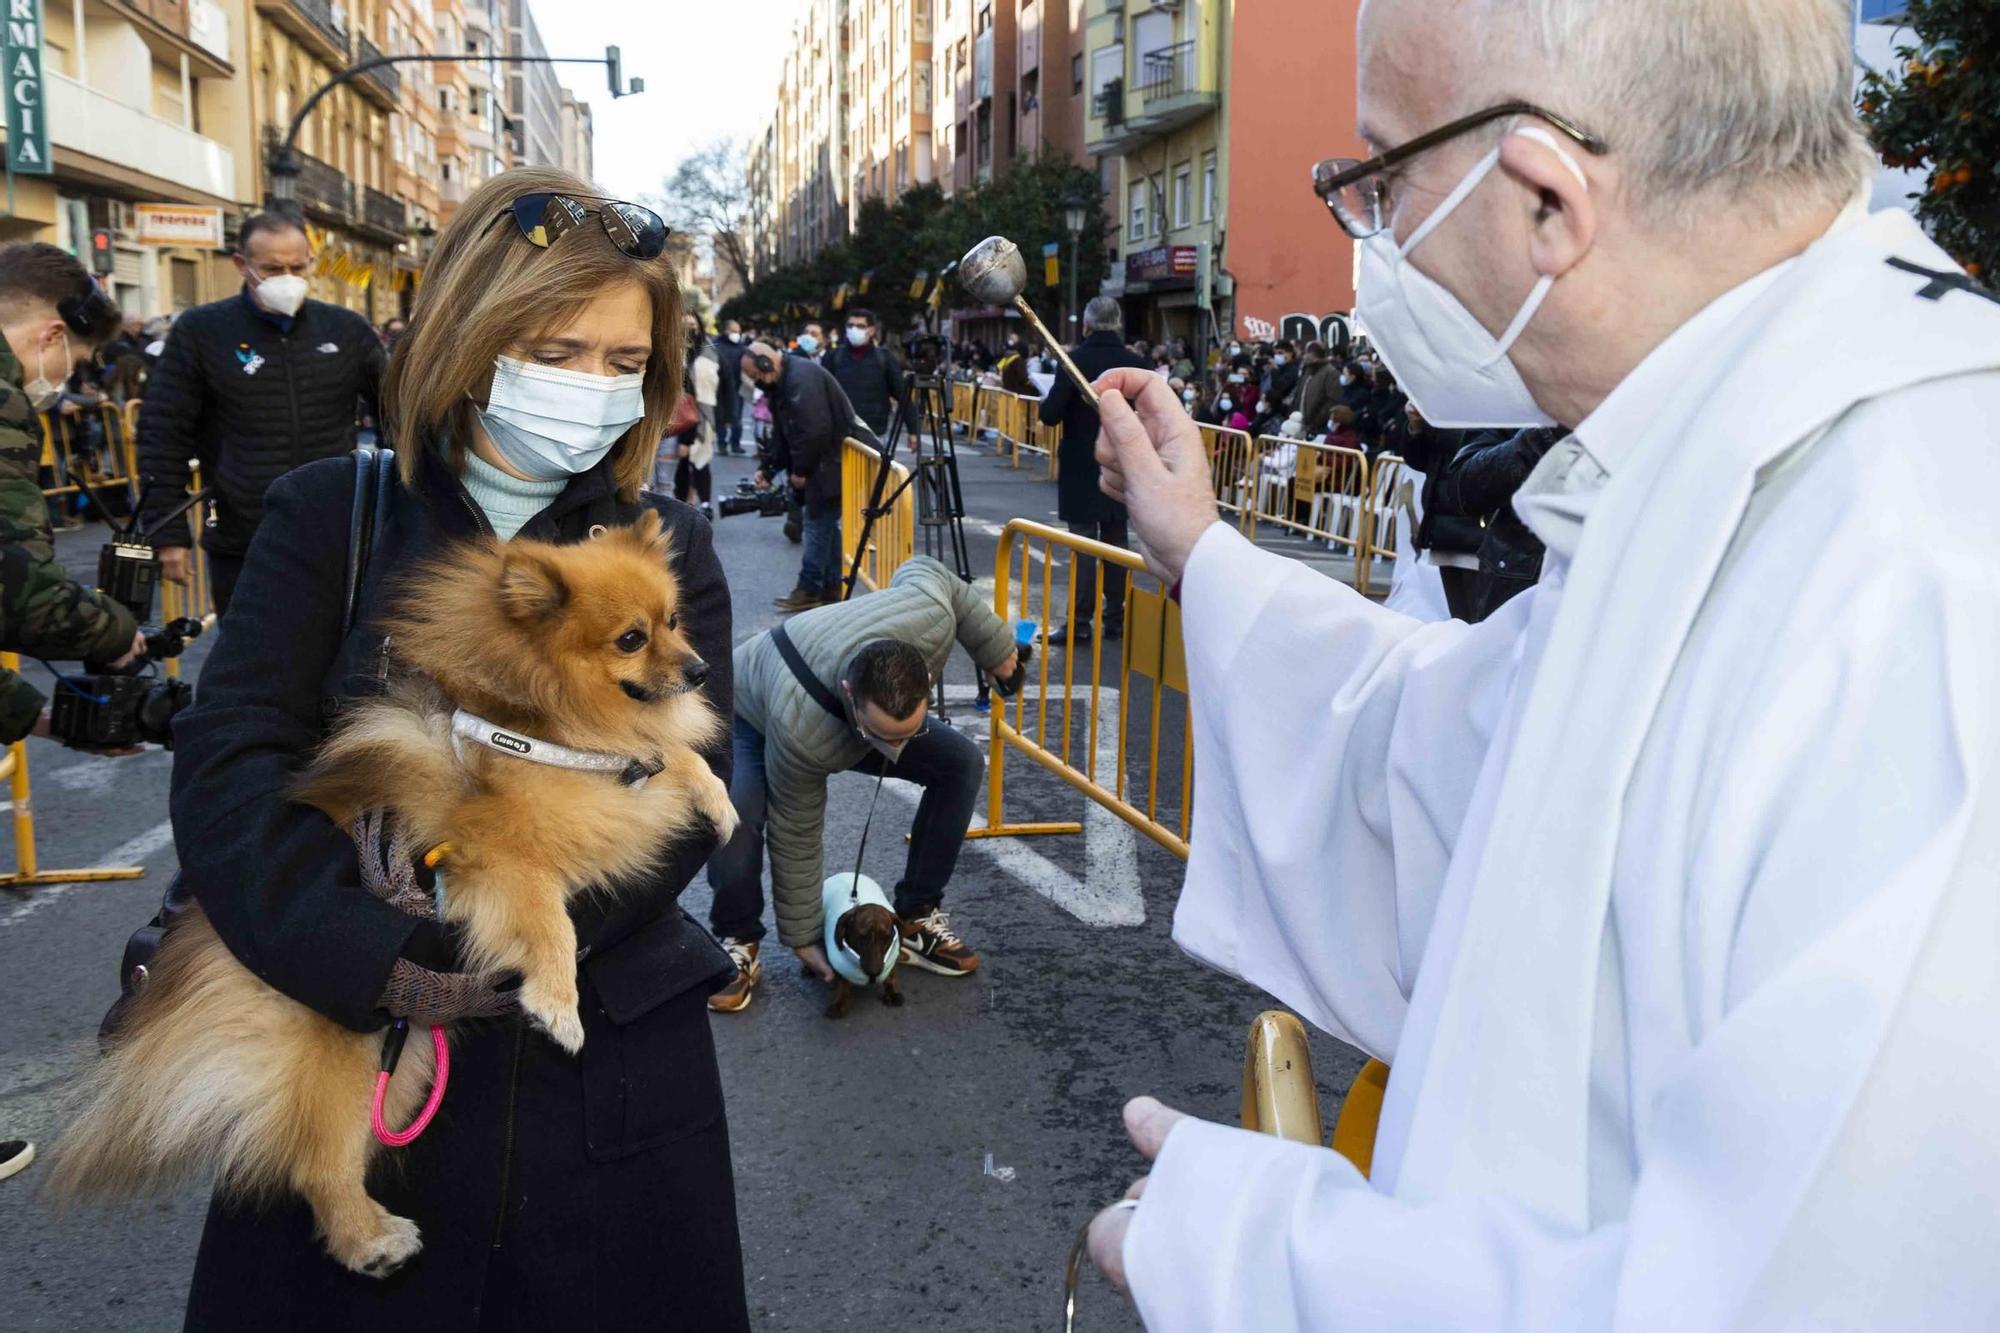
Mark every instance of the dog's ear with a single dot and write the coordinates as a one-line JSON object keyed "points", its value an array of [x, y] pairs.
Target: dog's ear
{"points": [[531, 588], [650, 534]]}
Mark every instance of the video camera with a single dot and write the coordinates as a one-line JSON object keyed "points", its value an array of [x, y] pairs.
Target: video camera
{"points": [[749, 500], [107, 708]]}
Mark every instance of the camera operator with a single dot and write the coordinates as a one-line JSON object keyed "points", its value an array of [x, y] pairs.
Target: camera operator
{"points": [[810, 416], [846, 687], [52, 313]]}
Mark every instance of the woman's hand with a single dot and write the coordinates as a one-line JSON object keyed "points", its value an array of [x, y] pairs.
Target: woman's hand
{"points": [[1154, 463]]}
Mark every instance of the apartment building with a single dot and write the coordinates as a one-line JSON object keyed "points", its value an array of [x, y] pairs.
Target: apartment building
{"points": [[143, 106], [534, 95], [1049, 79], [577, 153], [764, 210], [975, 54], [472, 145], [808, 173], [888, 90]]}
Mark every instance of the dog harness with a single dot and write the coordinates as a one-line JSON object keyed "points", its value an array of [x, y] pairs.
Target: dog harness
{"points": [[471, 727], [837, 896]]}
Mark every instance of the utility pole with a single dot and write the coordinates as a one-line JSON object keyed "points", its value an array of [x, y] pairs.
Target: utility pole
{"points": [[284, 163]]}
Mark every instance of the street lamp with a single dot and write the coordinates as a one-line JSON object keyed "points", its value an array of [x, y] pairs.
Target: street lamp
{"points": [[1074, 214]]}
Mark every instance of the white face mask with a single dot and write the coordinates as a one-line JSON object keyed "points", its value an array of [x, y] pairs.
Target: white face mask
{"points": [[550, 423], [1280, 359], [1189, 396], [42, 392], [1225, 404], [736, 337], [1456, 372], [282, 295], [1237, 378], [1236, 349], [857, 337]]}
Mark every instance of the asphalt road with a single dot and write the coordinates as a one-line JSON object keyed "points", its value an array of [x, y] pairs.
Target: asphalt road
{"points": [[915, 1168]]}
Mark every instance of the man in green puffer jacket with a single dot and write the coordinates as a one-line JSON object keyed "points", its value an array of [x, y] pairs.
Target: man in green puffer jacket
{"points": [[854, 697]]}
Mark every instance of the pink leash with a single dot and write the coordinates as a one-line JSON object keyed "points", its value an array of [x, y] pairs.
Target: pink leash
{"points": [[392, 1047]]}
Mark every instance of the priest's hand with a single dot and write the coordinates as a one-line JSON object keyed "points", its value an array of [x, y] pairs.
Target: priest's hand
{"points": [[1153, 463], [1148, 1122]]}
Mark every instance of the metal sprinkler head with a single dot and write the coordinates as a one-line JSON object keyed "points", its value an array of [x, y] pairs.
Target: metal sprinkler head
{"points": [[993, 272]]}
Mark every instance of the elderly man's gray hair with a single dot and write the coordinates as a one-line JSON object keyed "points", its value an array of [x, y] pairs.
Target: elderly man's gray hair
{"points": [[1103, 312], [1705, 101]]}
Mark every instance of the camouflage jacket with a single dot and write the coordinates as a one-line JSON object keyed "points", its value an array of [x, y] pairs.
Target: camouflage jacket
{"points": [[43, 611]]}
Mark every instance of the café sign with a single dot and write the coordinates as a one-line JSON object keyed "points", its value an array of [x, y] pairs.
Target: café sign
{"points": [[179, 224], [1162, 263]]}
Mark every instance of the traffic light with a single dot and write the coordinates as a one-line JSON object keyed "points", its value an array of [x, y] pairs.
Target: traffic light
{"points": [[102, 261], [612, 72]]}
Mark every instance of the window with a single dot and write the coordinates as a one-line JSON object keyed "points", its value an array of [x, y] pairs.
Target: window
{"points": [[1076, 74], [921, 90], [1107, 63], [1183, 192], [1208, 186], [1135, 195]]}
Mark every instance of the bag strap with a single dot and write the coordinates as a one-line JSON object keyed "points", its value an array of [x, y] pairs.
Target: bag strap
{"points": [[374, 481], [814, 686]]}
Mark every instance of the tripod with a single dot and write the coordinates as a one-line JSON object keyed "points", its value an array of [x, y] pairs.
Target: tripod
{"points": [[934, 473]]}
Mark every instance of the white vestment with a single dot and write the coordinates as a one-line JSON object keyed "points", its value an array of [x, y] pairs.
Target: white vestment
{"points": [[1671, 892]]}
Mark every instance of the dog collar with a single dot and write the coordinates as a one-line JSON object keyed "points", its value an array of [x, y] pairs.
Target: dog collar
{"points": [[471, 727]]}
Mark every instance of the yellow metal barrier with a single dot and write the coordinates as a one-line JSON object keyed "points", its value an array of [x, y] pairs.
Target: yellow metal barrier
{"points": [[893, 539], [1279, 1095], [74, 472], [1320, 491], [962, 392], [1233, 464], [27, 872], [194, 600], [1385, 482], [1152, 651]]}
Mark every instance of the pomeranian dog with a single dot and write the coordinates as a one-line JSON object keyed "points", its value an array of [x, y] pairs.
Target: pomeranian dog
{"points": [[581, 646]]}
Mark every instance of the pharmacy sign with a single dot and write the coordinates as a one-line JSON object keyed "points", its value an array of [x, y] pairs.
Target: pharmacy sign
{"points": [[27, 119]]}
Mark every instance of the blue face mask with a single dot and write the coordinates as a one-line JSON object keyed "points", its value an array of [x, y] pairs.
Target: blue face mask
{"points": [[808, 344], [549, 423]]}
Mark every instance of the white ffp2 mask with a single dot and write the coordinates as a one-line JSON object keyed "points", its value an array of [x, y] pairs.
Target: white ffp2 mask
{"points": [[550, 423], [1457, 373], [282, 295]]}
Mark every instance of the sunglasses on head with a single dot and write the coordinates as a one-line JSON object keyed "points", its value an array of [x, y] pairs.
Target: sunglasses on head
{"points": [[544, 219], [88, 311]]}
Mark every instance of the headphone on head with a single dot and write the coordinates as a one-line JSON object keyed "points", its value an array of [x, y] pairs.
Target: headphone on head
{"points": [[761, 360]]}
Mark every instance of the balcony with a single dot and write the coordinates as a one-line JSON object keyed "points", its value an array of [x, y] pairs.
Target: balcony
{"points": [[86, 121], [1172, 92], [477, 23], [323, 190], [982, 66], [314, 24], [198, 29], [383, 86], [384, 214]]}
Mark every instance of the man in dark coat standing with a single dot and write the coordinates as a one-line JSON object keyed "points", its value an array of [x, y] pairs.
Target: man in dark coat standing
{"points": [[810, 416], [252, 386], [867, 372], [1079, 502]]}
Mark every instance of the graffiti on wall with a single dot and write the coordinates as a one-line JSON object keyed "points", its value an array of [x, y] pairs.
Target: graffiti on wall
{"points": [[1336, 331]]}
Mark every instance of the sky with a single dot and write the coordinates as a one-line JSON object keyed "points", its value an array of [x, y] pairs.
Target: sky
{"points": [[711, 70]]}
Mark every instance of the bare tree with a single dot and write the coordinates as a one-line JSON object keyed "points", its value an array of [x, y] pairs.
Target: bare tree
{"points": [[707, 198]]}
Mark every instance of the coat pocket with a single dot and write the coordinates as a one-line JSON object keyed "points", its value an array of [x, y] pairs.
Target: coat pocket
{"points": [[649, 1082]]}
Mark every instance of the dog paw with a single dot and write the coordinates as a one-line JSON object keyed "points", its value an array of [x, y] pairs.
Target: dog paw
{"points": [[556, 1015], [893, 998], [395, 1243]]}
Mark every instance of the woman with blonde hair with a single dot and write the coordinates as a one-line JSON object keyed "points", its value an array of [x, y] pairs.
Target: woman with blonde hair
{"points": [[541, 366]]}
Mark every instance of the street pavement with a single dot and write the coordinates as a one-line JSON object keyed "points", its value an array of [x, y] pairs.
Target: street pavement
{"points": [[917, 1168]]}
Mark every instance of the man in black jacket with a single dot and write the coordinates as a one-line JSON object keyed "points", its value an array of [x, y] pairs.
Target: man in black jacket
{"points": [[867, 372], [252, 386], [810, 416], [1079, 502], [1478, 483]]}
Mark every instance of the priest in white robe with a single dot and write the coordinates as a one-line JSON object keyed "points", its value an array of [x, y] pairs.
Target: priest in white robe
{"points": [[1671, 893]]}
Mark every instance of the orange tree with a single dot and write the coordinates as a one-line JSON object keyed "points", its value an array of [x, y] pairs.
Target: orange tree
{"points": [[1941, 109]]}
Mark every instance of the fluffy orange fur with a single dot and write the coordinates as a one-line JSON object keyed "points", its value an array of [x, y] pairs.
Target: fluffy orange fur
{"points": [[579, 645]]}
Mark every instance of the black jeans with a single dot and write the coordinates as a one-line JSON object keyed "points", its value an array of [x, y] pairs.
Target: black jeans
{"points": [[1084, 602], [944, 762]]}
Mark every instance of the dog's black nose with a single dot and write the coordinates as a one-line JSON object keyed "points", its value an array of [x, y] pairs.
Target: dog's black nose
{"points": [[696, 672]]}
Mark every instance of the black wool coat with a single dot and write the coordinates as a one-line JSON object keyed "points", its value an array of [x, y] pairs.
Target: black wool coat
{"points": [[1078, 499], [591, 1192], [251, 401]]}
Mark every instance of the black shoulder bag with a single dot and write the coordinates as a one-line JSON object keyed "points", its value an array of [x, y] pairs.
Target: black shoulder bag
{"points": [[374, 484]]}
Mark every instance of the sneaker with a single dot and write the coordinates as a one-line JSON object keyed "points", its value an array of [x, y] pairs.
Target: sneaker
{"points": [[734, 998], [930, 943], [800, 598], [15, 1154]]}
